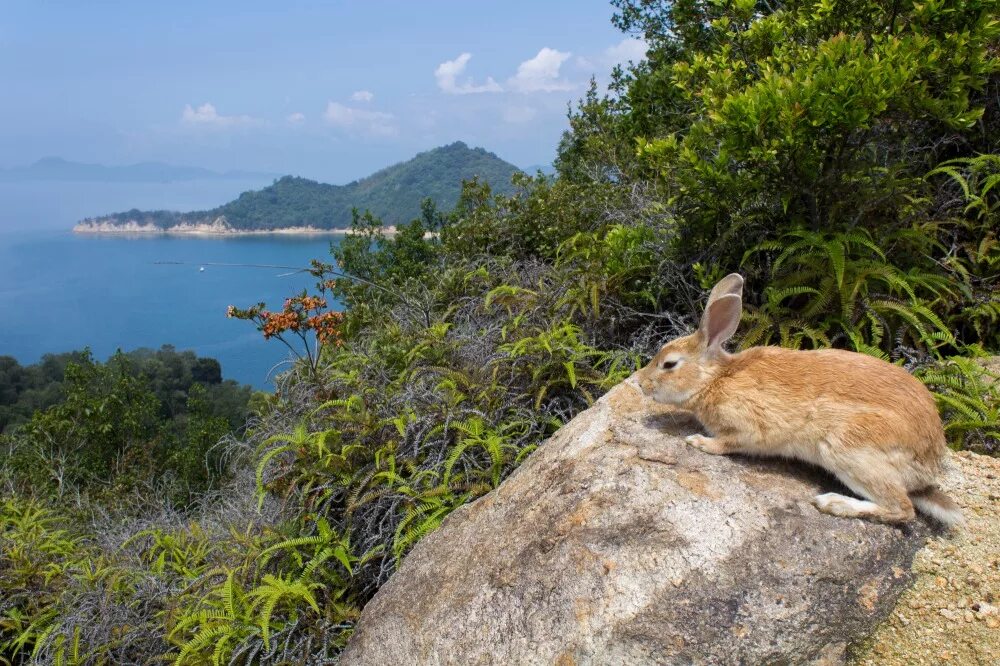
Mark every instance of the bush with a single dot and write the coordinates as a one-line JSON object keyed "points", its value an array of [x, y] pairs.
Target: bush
{"points": [[137, 421]]}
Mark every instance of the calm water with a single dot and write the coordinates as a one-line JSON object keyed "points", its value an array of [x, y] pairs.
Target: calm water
{"points": [[60, 291]]}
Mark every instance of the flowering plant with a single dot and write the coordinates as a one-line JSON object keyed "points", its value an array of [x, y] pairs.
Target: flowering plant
{"points": [[303, 316]]}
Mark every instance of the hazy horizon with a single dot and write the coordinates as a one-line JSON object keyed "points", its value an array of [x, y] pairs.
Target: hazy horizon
{"points": [[240, 173], [327, 91]]}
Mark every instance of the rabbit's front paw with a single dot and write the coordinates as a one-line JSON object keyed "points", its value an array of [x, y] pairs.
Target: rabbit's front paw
{"points": [[707, 444]]}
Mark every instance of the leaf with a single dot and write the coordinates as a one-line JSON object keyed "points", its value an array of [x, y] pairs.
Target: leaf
{"points": [[570, 372]]}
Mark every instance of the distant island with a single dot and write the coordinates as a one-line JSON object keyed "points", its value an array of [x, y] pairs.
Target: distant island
{"points": [[58, 169], [296, 205]]}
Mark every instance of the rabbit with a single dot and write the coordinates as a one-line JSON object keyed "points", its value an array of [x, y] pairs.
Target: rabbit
{"points": [[868, 422]]}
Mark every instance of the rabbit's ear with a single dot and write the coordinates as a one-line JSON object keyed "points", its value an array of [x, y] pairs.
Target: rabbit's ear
{"points": [[731, 284], [721, 319]]}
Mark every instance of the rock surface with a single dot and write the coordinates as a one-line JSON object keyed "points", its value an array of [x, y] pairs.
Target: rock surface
{"points": [[616, 543]]}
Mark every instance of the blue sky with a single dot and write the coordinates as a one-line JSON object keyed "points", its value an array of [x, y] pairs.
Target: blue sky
{"points": [[329, 90]]}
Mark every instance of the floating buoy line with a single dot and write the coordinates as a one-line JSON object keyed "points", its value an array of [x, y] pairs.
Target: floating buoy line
{"points": [[293, 270]]}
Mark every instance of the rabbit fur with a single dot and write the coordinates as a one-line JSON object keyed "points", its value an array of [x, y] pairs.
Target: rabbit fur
{"points": [[868, 422]]}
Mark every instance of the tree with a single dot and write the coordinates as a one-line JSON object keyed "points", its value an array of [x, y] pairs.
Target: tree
{"points": [[819, 116], [207, 371], [106, 427]]}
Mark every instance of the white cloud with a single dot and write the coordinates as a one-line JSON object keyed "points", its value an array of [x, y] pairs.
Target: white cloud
{"points": [[519, 114], [296, 118], [362, 96], [206, 116], [541, 73], [630, 49], [376, 123], [447, 74]]}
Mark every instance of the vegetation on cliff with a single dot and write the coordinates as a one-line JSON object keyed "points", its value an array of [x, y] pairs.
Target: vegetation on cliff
{"points": [[71, 426], [394, 194], [843, 156]]}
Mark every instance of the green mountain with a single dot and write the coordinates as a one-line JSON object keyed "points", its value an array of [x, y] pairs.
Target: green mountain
{"points": [[393, 194]]}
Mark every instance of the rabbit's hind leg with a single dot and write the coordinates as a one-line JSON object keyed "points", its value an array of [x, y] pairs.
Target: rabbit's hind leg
{"points": [[886, 499]]}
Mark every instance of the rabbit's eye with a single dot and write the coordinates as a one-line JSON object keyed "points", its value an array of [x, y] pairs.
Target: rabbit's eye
{"points": [[669, 365]]}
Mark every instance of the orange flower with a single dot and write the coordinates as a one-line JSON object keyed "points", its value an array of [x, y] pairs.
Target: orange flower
{"points": [[326, 327]]}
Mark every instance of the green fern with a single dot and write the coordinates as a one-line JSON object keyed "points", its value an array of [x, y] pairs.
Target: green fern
{"points": [[969, 396], [839, 286]]}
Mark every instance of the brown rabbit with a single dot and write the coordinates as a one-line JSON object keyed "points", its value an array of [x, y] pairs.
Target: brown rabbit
{"points": [[869, 422]]}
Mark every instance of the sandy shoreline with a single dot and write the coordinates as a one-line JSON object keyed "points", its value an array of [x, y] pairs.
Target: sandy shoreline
{"points": [[133, 229]]}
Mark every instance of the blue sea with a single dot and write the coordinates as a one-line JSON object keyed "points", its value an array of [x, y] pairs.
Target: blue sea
{"points": [[61, 291]]}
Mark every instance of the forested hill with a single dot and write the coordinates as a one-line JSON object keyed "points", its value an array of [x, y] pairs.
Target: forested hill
{"points": [[393, 194]]}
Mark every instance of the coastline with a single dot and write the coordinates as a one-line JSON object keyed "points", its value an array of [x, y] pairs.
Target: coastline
{"points": [[216, 229]]}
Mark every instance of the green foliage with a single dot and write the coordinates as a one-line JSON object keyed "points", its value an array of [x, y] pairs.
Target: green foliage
{"points": [[46, 567], [170, 374], [100, 429], [618, 262], [382, 266], [215, 600], [830, 287], [34, 558], [138, 419], [811, 116], [533, 222], [27, 389], [969, 245], [197, 458], [968, 393]]}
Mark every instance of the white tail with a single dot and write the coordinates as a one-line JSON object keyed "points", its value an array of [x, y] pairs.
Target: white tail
{"points": [[938, 506]]}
